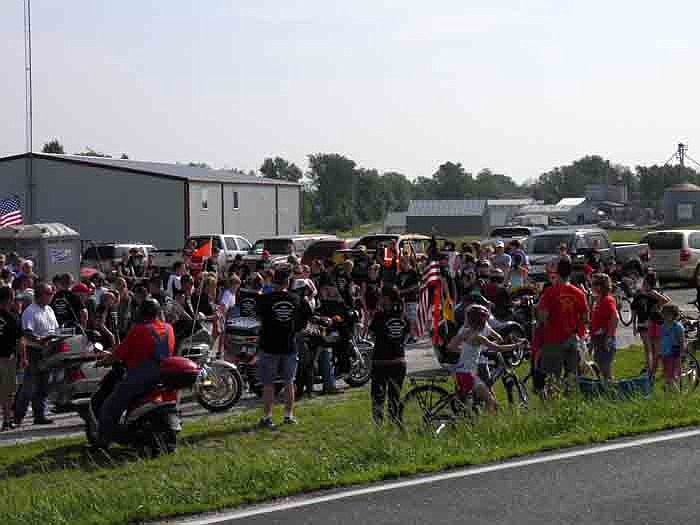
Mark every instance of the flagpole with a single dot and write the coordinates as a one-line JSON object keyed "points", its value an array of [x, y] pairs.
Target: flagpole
{"points": [[29, 109]]}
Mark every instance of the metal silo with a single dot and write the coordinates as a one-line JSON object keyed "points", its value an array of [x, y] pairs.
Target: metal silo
{"points": [[682, 205]]}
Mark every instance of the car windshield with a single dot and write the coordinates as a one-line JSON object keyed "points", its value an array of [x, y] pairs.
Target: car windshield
{"points": [[273, 246], [194, 243], [547, 243], [372, 243], [510, 232], [105, 252], [665, 241]]}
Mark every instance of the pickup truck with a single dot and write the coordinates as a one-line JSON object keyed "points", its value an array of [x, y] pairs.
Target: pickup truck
{"points": [[543, 248]]}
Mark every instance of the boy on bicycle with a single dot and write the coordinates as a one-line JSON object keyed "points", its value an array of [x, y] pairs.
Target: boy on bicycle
{"points": [[470, 341]]}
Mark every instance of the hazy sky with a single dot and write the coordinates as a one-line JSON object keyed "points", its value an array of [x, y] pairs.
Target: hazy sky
{"points": [[516, 86]]}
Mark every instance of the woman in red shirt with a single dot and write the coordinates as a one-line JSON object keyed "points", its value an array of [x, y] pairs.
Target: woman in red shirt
{"points": [[603, 324]]}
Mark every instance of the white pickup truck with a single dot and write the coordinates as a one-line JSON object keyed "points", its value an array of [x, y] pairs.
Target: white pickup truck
{"points": [[228, 245]]}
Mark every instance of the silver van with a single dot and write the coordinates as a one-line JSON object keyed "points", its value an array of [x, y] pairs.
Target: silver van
{"points": [[675, 254]]}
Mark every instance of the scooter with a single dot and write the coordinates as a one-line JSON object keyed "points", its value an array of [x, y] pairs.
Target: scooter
{"points": [[151, 423]]}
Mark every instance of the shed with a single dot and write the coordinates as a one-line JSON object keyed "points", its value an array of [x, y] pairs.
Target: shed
{"points": [[501, 211], [395, 222], [682, 205], [53, 247], [159, 203], [450, 218]]}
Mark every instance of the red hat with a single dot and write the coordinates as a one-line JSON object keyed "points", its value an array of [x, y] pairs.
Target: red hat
{"points": [[81, 288]]}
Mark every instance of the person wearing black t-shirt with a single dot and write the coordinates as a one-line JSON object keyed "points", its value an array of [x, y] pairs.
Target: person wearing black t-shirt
{"points": [[10, 337], [344, 282], [647, 320], [390, 329], [69, 309], [408, 284], [282, 315]]}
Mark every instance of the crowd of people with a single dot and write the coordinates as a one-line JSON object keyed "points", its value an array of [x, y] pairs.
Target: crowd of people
{"points": [[482, 279]]}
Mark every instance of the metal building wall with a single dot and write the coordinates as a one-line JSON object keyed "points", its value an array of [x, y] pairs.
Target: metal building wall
{"points": [[687, 202], [255, 217], [288, 210], [100, 203], [451, 226], [204, 221]]}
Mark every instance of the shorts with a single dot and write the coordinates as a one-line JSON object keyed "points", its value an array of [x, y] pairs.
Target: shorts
{"points": [[8, 378], [467, 381], [653, 329], [604, 353], [556, 357], [412, 311], [672, 367], [272, 367]]}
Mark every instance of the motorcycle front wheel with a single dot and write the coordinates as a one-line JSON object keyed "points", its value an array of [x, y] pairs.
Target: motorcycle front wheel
{"points": [[218, 388], [361, 369]]}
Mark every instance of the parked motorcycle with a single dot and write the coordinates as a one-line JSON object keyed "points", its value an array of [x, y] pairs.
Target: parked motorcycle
{"points": [[219, 384], [241, 346], [151, 423], [70, 360]]}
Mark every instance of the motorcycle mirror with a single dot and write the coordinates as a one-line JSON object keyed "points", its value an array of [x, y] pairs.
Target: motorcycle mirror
{"points": [[98, 347]]}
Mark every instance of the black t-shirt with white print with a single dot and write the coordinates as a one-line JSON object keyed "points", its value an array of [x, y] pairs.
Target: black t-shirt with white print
{"points": [[390, 332], [66, 305], [282, 315]]}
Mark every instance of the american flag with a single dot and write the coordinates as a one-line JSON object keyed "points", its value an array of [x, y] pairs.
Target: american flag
{"points": [[10, 212], [431, 276]]}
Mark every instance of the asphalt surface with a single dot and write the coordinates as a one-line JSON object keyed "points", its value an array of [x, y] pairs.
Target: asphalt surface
{"points": [[649, 484], [420, 357]]}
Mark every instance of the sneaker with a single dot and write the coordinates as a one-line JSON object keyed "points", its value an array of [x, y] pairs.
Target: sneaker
{"points": [[43, 421], [290, 420], [266, 423], [7, 425]]}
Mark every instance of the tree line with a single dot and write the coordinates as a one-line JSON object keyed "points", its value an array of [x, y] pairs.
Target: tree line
{"points": [[338, 194]]}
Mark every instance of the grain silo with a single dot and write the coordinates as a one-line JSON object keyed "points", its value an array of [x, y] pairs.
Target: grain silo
{"points": [[682, 205]]}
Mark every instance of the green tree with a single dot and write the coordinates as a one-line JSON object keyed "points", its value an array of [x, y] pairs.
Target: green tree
{"points": [[124, 156], [452, 182], [53, 146], [89, 152], [654, 180], [199, 165], [279, 168], [494, 185], [333, 177]]}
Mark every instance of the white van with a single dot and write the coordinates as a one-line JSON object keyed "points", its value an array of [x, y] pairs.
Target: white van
{"points": [[675, 254]]}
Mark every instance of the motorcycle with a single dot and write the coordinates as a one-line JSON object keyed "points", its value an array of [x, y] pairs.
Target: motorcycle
{"points": [[241, 346], [151, 423], [70, 360], [219, 384], [322, 333]]}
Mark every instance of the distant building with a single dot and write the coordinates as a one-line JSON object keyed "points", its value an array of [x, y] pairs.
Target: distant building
{"points": [[607, 193], [682, 205], [501, 211], [395, 222], [450, 218]]}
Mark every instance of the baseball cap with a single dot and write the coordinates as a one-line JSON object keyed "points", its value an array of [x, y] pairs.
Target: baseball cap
{"points": [[500, 244]]}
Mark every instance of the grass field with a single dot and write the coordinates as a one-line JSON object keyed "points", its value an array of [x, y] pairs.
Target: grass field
{"points": [[224, 463]]}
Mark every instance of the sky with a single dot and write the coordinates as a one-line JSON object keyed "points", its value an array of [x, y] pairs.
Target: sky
{"points": [[515, 86]]}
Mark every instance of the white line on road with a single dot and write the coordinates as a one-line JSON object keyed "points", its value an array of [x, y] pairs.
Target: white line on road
{"points": [[462, 473]]}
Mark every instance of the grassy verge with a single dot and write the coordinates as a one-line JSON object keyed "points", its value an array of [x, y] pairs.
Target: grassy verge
{"points": [[226, 463]]}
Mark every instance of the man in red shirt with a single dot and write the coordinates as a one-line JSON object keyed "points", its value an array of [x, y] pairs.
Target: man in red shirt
{"points": [[563, 311], [144, 347]]}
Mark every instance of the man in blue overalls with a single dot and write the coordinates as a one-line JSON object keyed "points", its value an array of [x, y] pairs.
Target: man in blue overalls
{"points": [[142, 351]]}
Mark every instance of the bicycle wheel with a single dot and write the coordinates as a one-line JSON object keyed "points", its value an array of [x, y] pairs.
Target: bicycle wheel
{"points": [[690, 373], [427, 408], [624, 310]]}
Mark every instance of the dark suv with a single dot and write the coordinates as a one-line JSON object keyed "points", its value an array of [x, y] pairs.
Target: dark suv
{"points": [[543, 248]]}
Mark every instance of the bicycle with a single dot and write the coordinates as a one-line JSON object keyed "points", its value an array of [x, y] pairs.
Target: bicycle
{"points": [[433, 408], [622, 294]]}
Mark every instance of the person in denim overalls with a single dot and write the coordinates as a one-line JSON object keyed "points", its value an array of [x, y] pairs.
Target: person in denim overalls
{"points": [[146, 345]]}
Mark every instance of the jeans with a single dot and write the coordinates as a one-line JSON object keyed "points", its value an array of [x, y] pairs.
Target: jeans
{"points": [[387, 380], [325, 363], [35, 388], [138, 382]]}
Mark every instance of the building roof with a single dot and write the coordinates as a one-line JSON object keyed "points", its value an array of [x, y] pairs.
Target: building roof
{"points": [[543, 209], [684, 187], [38, 231], [510, 202], [395, 219], [447, 208], [571, 201], [161, 169]]}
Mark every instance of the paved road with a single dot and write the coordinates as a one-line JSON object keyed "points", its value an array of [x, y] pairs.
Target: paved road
{"points": [[420, 357], [645, 483]]}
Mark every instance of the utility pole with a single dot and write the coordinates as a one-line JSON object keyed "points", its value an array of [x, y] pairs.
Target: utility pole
{"points": [[29, 109], [682, 148]]}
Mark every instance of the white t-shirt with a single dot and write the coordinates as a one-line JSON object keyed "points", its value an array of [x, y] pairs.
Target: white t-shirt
{"points": [[39, 320], [227, 299], [173, 284], [471, 357]]}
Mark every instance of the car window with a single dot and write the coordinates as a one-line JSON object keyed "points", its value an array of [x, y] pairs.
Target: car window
{"points": [[604, 245], [243, 244], [547, 244], [694, 241], [581, 244], [231, 244], [665, 241], [201, 240]]}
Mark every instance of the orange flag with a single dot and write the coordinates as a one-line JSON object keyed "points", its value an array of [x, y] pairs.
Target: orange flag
{"points": [[204, 250]]}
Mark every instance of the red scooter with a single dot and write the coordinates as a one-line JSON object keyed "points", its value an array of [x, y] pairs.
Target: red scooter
{"points": [[151, 423]]}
